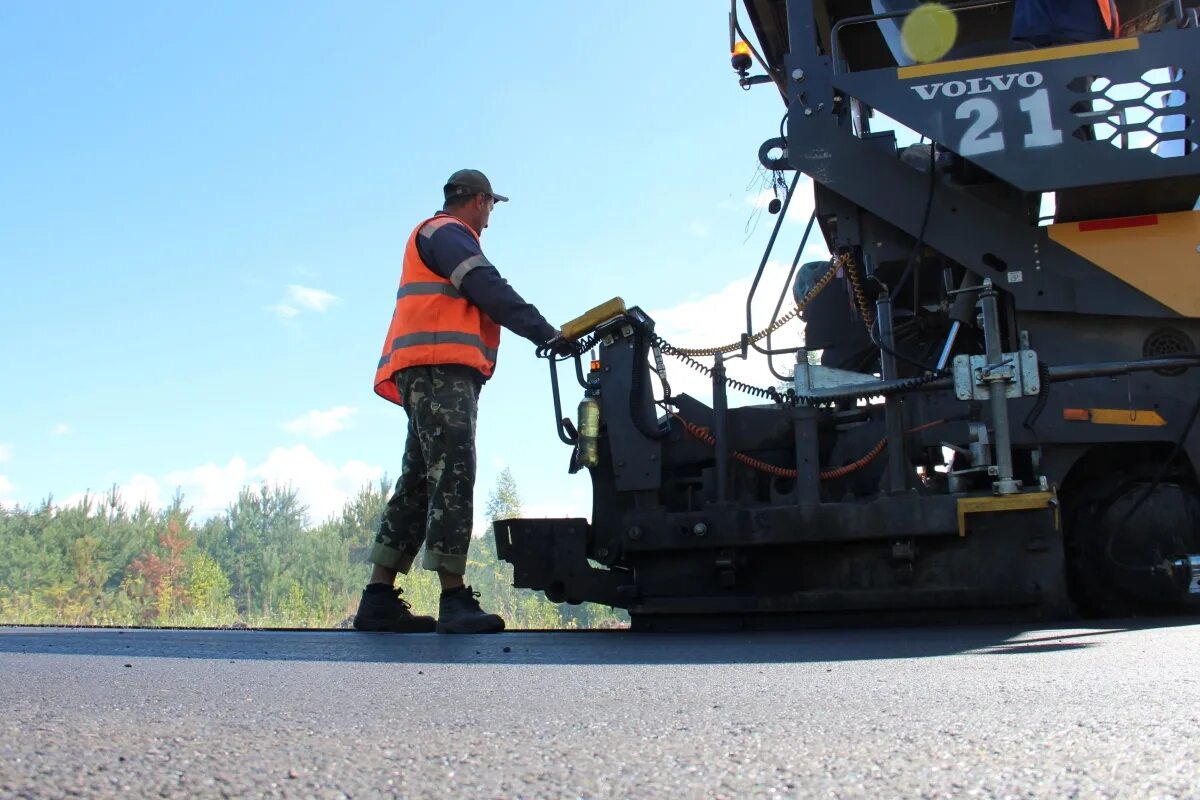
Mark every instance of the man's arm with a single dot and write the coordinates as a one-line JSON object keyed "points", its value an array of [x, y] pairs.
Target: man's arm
{"points": [[486, 288], [453, 253]]}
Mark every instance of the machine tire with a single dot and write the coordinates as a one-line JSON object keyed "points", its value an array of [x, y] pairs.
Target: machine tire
{"points": [[1109, 573]]}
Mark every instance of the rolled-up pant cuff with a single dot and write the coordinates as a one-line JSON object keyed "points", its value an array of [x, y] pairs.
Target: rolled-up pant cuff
{"points": [[444, 562], [391, 558]]}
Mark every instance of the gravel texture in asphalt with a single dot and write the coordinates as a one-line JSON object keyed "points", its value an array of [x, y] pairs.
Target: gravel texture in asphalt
{"points": [[980, 711]]}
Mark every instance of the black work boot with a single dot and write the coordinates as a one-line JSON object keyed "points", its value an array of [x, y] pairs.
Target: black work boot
{"points": [[459, 612], [383, 609]]}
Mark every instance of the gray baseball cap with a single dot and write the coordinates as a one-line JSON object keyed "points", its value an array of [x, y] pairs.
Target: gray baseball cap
{"points": [[470, 181]]}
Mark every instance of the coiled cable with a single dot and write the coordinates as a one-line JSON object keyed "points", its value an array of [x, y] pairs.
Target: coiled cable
{"points": [[702, 352], [860, 294], [703, 434]]}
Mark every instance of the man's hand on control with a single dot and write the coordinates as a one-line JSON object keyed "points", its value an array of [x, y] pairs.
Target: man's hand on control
{"points": [[560, 346]]}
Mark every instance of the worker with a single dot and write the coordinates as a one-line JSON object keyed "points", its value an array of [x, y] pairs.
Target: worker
{"points": [[440, 348], [1045, 23]]}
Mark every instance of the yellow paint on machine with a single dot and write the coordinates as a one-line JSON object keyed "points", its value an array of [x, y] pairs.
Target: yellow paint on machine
{"points": [[588, 322], [1160, 259], [1137, 417], [1019, 57], [1024, 501]]}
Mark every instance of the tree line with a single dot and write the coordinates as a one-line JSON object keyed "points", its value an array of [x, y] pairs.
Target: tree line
{"points": [[258, 564]]}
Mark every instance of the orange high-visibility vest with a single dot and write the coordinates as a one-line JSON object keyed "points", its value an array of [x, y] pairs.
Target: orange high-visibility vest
{"points": [[433, 323], [1112, 19]]}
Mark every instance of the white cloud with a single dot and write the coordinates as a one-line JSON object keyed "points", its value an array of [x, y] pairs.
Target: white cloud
{"points": [[287, 312], [320, 423], [142, 489], [323, 487], [298, 299], [309, 299], [210, 488], [698, 229], [5, 453], [61, 429], [6, 488]]}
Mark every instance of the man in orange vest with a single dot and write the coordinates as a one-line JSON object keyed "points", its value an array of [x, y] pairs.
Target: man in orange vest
{"points": [[440, 348]]}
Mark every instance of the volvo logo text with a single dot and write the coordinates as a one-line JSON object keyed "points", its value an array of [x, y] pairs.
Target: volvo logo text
{"points": [[992, 83]]}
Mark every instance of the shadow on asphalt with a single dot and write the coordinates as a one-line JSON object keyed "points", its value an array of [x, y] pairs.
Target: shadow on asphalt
{"points": [[564, 648]]}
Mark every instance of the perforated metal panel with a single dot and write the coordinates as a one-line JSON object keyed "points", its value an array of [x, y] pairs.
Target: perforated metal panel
{"points": [[1149, 114]]}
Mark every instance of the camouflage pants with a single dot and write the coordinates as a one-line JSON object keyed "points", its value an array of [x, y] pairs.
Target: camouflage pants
{"points": [[432, 504]]}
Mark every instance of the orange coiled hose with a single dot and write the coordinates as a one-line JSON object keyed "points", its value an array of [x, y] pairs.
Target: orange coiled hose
{"points": [[853, 466], [705, 435]]}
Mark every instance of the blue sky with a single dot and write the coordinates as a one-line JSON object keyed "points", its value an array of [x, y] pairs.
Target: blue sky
{"points": [[205, 206]]}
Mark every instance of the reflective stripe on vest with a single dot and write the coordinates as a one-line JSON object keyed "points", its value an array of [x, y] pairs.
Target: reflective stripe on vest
{"points": [[417, 288], [438, 337], [468, 264], [431, 227]]}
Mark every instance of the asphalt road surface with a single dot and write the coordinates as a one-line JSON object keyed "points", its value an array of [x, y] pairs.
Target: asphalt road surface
{"points": [[982, 711]]}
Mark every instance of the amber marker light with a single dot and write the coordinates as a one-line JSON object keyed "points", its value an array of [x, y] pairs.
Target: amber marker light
{"points": [[741, 57]]}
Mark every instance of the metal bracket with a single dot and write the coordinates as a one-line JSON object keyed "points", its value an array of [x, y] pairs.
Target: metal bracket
{"points": [[813, 376], [764, 157], [974, 376], [1027, 501]]}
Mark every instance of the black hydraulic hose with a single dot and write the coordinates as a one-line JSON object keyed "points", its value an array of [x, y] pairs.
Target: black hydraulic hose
{"points": [[1039, 405], [919, 251], [578, 358], [641, 351], [558, 416], [859, 360], [875, 340], [1104, 369], [917, 255]]}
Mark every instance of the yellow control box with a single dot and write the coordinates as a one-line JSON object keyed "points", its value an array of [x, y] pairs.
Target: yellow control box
{"points": [[581, 326]]}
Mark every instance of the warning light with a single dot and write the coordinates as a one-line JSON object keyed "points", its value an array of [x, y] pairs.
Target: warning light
{"points": [[595, 365], [741, 58]]}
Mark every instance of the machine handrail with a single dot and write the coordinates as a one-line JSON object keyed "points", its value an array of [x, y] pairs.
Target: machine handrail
{"points": [[834, 33]]}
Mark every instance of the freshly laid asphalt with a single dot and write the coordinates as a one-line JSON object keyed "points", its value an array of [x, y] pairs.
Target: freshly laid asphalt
{"points": [[979, 711]]}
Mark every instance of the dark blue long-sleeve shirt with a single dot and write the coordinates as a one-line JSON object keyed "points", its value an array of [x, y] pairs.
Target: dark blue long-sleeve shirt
{"points": [[454, 254], [1044, 23]]}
